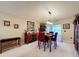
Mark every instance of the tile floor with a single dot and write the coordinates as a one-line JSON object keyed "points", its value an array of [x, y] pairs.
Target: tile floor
{"points": [[31, 50]]}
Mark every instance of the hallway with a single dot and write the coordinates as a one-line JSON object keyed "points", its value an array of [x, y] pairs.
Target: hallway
{"points": [[31, 50]]}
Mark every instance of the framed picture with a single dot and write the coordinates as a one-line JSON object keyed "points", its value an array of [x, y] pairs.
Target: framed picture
{"points": [[30, 26], [16, 26], [66, 26], [6, 23]]}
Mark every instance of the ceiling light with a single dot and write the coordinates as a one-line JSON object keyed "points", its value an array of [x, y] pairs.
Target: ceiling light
{"points": [[49, 12], [49, 22]]}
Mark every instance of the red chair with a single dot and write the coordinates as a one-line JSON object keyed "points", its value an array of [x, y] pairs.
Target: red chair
{"points": [[41, 39]]}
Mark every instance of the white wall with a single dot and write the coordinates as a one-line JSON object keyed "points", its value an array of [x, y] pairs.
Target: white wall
{"points": [[66, 36], [9, 31]]}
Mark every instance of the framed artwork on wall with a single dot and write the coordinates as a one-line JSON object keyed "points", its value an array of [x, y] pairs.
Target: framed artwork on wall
{"points": [[16, 26], [42, 27], [66, 26], [30, 26], [6, 23]]}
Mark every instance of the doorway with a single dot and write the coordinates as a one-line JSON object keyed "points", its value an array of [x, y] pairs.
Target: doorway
{"points": [[55, 28]]}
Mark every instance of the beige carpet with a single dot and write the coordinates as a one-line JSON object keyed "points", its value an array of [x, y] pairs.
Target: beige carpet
{"points": [[31, 50]]}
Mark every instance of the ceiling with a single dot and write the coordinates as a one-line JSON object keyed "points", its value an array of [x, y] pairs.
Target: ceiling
{"points": [[32, 10]]}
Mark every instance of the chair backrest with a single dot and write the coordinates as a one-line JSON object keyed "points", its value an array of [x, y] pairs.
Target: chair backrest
{"points": [[51, 32], [41, 36]]}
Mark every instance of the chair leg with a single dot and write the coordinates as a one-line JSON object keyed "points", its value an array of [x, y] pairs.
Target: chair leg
{"points": [[55, 44], [50, 45], [39, 44], [47, 44], [44, 46]]}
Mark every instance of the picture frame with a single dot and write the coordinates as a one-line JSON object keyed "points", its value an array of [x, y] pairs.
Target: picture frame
{"points": [[66, 26], [6, 23], [16, 26], [30, 26]]}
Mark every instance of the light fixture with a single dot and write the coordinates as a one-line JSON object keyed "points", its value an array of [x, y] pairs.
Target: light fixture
{"points": [[49, 23], [49, 12]]}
